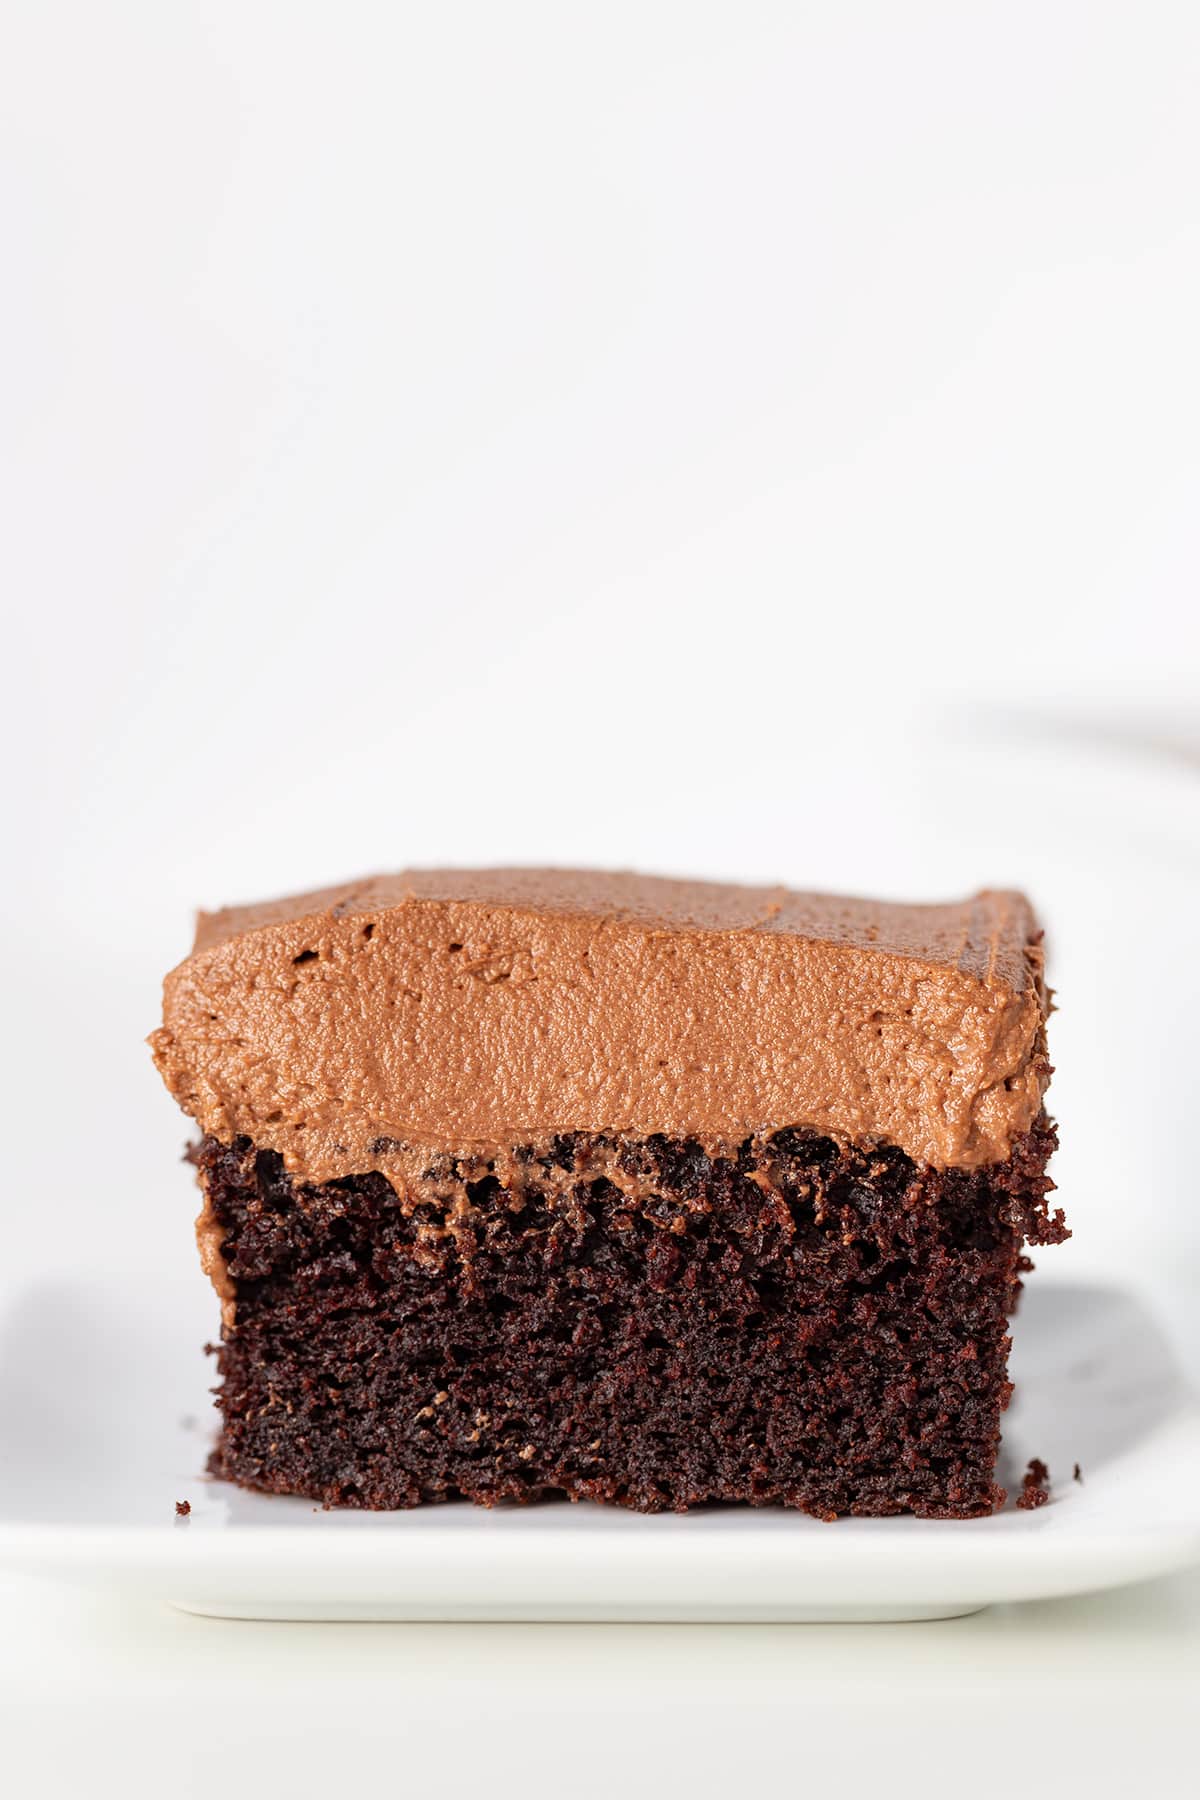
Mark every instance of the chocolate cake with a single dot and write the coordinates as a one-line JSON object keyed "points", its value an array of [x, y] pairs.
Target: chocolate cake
{"points": [[527, 1183]]}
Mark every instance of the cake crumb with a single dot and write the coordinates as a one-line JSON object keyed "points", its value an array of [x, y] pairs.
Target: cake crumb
{"points": [[1035, 1485], [182, 1508]]}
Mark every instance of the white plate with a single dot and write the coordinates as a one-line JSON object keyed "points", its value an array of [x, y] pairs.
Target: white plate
{"points": [[104, 1424]]}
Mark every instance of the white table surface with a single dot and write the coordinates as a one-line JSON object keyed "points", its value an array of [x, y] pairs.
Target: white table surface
{"points": [[1094, 1696]]}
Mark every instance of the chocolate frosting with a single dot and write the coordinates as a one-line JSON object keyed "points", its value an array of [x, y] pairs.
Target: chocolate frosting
{"points": [[468, 1009]]}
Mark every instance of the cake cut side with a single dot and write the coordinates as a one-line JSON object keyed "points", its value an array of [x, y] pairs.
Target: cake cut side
{"points": [[656, 1318], [633, 1322]]}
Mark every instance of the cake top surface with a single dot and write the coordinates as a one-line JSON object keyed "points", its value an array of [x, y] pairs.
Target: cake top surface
{"points": [[469, 1009], [985, 936]]}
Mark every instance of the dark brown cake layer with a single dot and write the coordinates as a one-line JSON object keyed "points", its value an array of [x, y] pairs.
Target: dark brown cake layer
{"points": [[626, 1320]]}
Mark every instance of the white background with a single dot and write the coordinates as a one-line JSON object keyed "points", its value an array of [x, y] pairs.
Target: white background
{"points": [[749, 440]]}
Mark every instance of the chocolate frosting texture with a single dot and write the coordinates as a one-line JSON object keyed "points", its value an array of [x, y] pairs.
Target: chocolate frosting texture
{"points": [[467, 1009]]}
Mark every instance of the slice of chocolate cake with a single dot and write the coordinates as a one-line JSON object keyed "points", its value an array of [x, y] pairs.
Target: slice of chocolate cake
{"points": [[523, 1183]]}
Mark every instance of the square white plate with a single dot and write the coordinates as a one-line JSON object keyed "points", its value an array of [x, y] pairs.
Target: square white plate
{"points": [[105, 1423]]}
